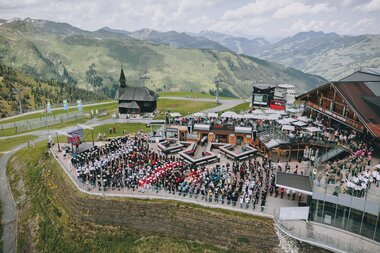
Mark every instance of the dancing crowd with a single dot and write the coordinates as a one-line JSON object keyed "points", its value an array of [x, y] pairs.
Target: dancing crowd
{"points": [[129, 162], [353, 174]]}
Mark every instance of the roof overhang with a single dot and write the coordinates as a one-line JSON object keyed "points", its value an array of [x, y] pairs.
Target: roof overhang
{"points": [[298, 183]]}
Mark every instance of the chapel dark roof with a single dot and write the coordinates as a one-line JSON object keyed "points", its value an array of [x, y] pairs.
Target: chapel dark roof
{"points": [[130, 105], [137, 94]]}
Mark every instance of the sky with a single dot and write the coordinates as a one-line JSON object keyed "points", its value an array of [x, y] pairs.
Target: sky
{"points": [[255, 18]]}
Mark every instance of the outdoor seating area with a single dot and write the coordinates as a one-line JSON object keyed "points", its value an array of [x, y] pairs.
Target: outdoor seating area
{"points": [[198, 155], [238, 152], [169, 146]]}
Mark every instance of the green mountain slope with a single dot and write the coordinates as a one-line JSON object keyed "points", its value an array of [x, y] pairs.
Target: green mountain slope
{"points": [[37, 51], [16, 86]]}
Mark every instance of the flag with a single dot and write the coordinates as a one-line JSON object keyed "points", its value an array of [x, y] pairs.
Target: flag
{"points": [[65, 105], [79, 102], [48, 109]]}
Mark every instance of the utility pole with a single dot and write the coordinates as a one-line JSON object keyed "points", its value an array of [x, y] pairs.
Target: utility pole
{"points": [[217, 85], [143, 77], [18, 90]]}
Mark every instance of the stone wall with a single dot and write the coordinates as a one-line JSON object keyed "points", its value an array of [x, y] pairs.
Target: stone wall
{"points": [[232, 230]]}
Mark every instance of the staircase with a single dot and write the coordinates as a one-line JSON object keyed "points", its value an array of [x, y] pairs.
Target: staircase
{"points": [[329, 155], [264, 136]]}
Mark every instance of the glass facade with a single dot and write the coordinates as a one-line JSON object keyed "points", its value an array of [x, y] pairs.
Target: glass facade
{"points": [[347, 218]]}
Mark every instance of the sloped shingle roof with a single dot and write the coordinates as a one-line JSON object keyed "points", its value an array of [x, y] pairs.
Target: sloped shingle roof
{"points": [[137, 94]]}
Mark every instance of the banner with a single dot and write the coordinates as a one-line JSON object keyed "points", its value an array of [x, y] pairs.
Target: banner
{"points": [[77, 136], [65, 105], [79, 102], [48, 108]]}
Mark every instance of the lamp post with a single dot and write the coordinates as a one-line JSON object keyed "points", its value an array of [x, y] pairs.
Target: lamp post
{"points": [[59, 148]]}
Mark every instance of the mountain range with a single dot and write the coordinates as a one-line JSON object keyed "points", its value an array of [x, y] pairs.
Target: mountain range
{"points": [[329, 55], [174, 61]]}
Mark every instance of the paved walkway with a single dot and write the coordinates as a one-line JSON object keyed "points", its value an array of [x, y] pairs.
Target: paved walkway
{"points": [[9, 218]]}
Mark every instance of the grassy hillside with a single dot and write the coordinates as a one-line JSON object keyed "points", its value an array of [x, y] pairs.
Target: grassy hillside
{"points": [[53, 216], [184, 107], [34, 94], [190, 95], [9, 143], [68, 57]]}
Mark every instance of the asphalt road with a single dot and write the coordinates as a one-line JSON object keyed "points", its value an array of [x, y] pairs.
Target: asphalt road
{"points": [[9, 218]]}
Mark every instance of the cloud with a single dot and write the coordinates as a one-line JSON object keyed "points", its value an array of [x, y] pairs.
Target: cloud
{"points": [[258, 7], [299, 9], [303, 26], [245, 25], [364, 23], [203, 20], [373, 5]]}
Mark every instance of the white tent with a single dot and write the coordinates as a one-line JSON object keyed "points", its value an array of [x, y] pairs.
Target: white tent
{"points": [[202, 127], [271, 111], [288, 127], [228, 114], [313, 129], [286, 121], [292, 110], [299, 123], [237, 116], [273, 116], [249, 116], [260, 116], [212, 115], [257, 111], [303, 118], [175, 114], [198, 114]]}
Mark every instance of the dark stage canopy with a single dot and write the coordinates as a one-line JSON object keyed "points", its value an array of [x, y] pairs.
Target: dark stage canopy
{"points": [[294, 182]]}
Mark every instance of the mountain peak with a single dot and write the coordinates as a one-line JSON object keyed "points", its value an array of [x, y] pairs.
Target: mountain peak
{"points": [[312, 34]]}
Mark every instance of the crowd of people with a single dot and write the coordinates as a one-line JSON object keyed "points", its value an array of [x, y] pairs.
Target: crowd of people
{"points": [[131, 163], [353, 174]]}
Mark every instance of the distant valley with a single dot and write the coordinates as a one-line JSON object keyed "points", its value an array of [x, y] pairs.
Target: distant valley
{"points": [[172, 61]]}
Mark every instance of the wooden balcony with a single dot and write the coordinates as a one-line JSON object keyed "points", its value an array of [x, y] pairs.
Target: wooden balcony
{"points": [[336, 116]]}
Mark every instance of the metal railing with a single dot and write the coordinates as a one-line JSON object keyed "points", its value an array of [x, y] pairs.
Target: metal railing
{"points": [[326, 237]]}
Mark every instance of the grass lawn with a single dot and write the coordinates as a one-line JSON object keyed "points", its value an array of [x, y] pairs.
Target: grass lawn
{"points": [[9, 143], [105, 107], [182, 106], [12, 131], [34, 176], [190, 94], [119, 127], [240, 107]]}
